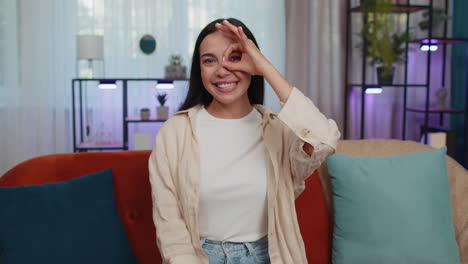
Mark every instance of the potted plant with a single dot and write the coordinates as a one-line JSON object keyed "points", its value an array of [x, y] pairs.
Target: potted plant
{"points": [[144, 113], [162, 111], [383, 47], [386, 55]]}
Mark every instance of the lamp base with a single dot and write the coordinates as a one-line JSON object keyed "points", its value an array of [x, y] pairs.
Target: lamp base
{"points": [[89, 69]]}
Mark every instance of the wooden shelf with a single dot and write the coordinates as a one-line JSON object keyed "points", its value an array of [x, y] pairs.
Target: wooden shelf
{"points": [[130, 79], [100, 145], [435, 110], [436, 40], [138, 120], [397, 9], [374, 85]]}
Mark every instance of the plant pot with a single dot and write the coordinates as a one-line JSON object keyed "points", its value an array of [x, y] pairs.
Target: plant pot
{"points": [[162, 112], [144, 114], [385, 79]]}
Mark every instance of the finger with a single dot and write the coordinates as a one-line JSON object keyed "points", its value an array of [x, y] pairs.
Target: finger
{"points": [[244, 65], [226, 53], [227, 31], [223, 28], [242, 34], [232, 47], [232, 28], [246, 41], [234, 66], [239, 34]]}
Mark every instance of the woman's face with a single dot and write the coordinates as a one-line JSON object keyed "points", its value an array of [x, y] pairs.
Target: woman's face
{"points": [[225, 86]]}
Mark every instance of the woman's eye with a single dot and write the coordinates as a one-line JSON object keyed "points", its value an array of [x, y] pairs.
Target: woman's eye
{"points": [[236, 58], [208, 61]]}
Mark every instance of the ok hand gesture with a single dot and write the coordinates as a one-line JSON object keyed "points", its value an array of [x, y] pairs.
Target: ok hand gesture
{"points": [[243, 55]]}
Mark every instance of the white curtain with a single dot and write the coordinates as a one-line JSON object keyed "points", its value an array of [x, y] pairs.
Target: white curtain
{"points": [[38, 62], [315, 52], [37, 65]]}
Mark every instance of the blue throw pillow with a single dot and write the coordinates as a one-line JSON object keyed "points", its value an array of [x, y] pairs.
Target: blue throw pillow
{"points": [[393, 209], [75, 221]]}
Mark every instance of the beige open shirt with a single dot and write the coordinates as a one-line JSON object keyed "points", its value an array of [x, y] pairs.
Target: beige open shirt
{"points": [[174, 177]]}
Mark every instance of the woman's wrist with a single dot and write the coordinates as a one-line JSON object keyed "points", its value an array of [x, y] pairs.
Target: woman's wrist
{"points": [[279, 84]]}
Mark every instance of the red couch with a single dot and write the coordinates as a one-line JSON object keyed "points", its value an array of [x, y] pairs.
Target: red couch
{"points": [[132, 190]]}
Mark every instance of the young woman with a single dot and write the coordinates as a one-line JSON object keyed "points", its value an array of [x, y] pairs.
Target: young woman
{"points": [[226, 170]]}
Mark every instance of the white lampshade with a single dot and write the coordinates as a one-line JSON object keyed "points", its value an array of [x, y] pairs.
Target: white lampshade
{"points": [[90, 47]]}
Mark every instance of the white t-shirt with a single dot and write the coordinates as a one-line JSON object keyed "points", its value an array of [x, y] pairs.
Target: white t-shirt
{"points": [[233, 180]]}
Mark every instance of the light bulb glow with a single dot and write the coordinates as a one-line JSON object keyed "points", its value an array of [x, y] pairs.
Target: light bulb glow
{"points": [[373, 90], [107, 85], [164, 86], [426, 47]]}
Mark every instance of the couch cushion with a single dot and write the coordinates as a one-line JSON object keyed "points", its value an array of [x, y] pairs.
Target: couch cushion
{"points": [[131, 187], [393, 209], [457, 176], [75, 221]]}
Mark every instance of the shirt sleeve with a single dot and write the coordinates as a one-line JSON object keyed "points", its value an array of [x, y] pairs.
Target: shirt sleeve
{"points": [[172, 235], [307, 125]]}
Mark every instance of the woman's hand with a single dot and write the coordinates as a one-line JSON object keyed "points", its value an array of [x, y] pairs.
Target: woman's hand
{"points": [[242, 55]]}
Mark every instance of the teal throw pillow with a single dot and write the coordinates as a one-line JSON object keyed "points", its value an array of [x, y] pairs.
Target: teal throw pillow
{"points": [[75, 221], [393, 209]]}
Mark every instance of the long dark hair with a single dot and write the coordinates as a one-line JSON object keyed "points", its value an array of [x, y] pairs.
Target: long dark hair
{"points": [[197, 93]]}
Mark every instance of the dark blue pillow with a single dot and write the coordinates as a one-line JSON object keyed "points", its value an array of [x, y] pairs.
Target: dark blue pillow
{"points": [[75, 221]]}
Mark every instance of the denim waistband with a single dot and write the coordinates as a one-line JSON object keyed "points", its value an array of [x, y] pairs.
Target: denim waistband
{"points": [[235, 245], [227, 251], [260, 241]]}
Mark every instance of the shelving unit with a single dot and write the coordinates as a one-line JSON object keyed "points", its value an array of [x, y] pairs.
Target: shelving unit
{"points": [[79, 127], [442, 42], [397, 9]]}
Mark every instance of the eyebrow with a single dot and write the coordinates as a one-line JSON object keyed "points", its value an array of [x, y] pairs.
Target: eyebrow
{"points": [[212, 55], [207, 55]]}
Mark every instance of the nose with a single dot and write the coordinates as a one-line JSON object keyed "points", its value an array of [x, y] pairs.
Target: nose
{"points": [[221, 71]]}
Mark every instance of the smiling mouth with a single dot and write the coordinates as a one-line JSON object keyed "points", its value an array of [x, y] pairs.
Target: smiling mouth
{"points": [[226, 86]]}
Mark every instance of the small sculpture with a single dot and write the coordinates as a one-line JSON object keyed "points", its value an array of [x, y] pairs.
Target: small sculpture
{"points": [[175, 69], [441, 98]]}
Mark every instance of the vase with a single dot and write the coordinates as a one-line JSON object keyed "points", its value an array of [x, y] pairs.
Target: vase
{"points": [[144, 114], [384, 79], [162, 112]]}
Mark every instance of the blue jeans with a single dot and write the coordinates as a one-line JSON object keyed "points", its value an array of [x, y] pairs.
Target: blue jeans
{"points": [[235, 252]]}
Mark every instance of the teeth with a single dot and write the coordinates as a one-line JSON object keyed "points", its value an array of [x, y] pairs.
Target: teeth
{"points": [[226, 85]]}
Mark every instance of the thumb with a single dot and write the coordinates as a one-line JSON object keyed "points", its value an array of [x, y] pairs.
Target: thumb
{"points": [[233, 65]]}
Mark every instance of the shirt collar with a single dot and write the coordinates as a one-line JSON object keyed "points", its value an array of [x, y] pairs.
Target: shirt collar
{"points": [[264, 111]]}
